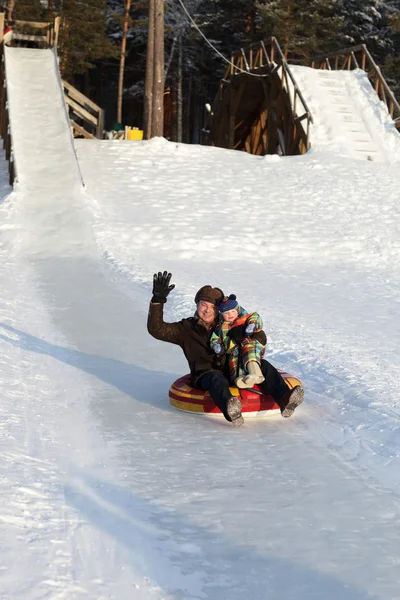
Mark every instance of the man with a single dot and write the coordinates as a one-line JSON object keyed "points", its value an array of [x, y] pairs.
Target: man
{"points": [[206, 368]]}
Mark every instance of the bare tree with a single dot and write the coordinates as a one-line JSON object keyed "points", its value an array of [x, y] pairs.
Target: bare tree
{"points": [[9, 10], [122, 60], [148, 86], [179, 90]]}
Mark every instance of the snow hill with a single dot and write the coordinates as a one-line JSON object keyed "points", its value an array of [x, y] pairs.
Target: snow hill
{"points": [[108, 492]]}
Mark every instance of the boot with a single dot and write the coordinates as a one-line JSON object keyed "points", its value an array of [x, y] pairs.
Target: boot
{"points": [[291, 401], [234, 411], [240, 382], [254, 374]]}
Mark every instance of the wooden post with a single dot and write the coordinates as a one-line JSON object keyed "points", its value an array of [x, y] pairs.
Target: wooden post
{"points": [[1, 27], [231, 134], [364, 58], [100, 125], [57, 24]]}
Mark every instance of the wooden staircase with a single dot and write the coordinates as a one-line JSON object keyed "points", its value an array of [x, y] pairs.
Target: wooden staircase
{"points": [[259, 107], [358, 57]]}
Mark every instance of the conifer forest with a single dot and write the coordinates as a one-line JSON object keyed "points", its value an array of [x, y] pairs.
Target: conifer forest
{"points": [[92, 32]]}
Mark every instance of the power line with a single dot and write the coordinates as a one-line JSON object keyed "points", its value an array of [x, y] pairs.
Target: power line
{"points": [[212, 45]]}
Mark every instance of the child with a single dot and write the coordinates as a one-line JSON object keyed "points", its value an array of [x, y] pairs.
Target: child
{"points": [[244, 358]]}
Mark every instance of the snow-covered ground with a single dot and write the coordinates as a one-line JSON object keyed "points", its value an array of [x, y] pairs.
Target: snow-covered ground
{"points": [[106, 491]]}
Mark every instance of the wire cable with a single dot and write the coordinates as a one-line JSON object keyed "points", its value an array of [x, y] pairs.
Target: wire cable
{"points": [[212, 45]]}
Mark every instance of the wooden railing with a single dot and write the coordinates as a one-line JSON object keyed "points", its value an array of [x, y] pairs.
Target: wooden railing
{"points": [[43, 34], [87, 119], [267, 57], [358, 57]]}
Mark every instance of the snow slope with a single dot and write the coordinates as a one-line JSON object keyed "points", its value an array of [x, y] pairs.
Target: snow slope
{"points": [[349, 116], [40, 128], [106, 491]]}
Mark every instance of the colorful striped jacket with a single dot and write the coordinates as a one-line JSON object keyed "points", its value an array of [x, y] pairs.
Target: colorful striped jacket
{"points": [[239, 354]]}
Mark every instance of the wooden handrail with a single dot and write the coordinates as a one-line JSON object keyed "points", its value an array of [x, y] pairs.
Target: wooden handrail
{"points": [[33, 24], [87, 118], [347, 59], [78, 96]]}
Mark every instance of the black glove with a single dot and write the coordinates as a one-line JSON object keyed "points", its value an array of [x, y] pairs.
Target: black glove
{"points": [[161, 287], [238, 334], [219, 361]]}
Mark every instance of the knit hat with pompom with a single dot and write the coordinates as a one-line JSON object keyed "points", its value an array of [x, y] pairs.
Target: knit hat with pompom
{"points": [[228, 303]]}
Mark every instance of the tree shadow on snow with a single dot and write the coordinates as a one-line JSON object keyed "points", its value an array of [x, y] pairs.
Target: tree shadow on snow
{"points": [[144, 385], [188, 560]]}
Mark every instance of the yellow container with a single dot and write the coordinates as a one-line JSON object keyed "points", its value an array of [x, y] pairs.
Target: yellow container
{"points": [[133, 134]]}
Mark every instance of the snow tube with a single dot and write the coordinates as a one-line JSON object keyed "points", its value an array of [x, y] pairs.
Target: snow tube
{"points": [[189, 399]]}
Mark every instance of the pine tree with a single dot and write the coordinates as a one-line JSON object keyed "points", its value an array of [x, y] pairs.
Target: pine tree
{"points": [[303, 27], [364, 23], [231, 25], [83, 39], [28, 10], [391, 68], [23, 10]]}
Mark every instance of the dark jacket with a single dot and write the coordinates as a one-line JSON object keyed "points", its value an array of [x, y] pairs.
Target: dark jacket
{"points": [[192, 336]]}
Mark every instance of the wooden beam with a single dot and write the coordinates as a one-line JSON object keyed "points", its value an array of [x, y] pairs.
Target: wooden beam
{"points": [[28, 37], [81, 131], [1, 27], [33, 24], [255, 136], [57, 25], [81, 112], [79, 97]]}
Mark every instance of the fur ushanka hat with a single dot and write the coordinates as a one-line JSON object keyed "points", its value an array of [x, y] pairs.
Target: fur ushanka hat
{"points": [[209, 294]]}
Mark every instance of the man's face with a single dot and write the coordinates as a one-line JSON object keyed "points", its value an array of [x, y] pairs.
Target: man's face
{"points": [[207, 311]]}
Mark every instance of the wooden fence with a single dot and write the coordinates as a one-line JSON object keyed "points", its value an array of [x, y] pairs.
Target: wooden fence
{"points": [[358, 57]]}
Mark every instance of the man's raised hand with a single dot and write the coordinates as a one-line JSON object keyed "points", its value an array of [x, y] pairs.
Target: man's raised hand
{"points": [[161, 286]]}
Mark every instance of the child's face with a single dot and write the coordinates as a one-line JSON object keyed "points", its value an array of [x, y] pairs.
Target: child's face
{"points": [[230, 315]]}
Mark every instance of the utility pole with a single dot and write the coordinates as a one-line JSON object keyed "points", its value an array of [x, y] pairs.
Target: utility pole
{"points": [[154, 87], [148, 86], [125, 28]]}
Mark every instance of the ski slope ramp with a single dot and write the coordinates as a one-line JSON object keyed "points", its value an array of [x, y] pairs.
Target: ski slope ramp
{"points": [[41, 134], [349, 116]]}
